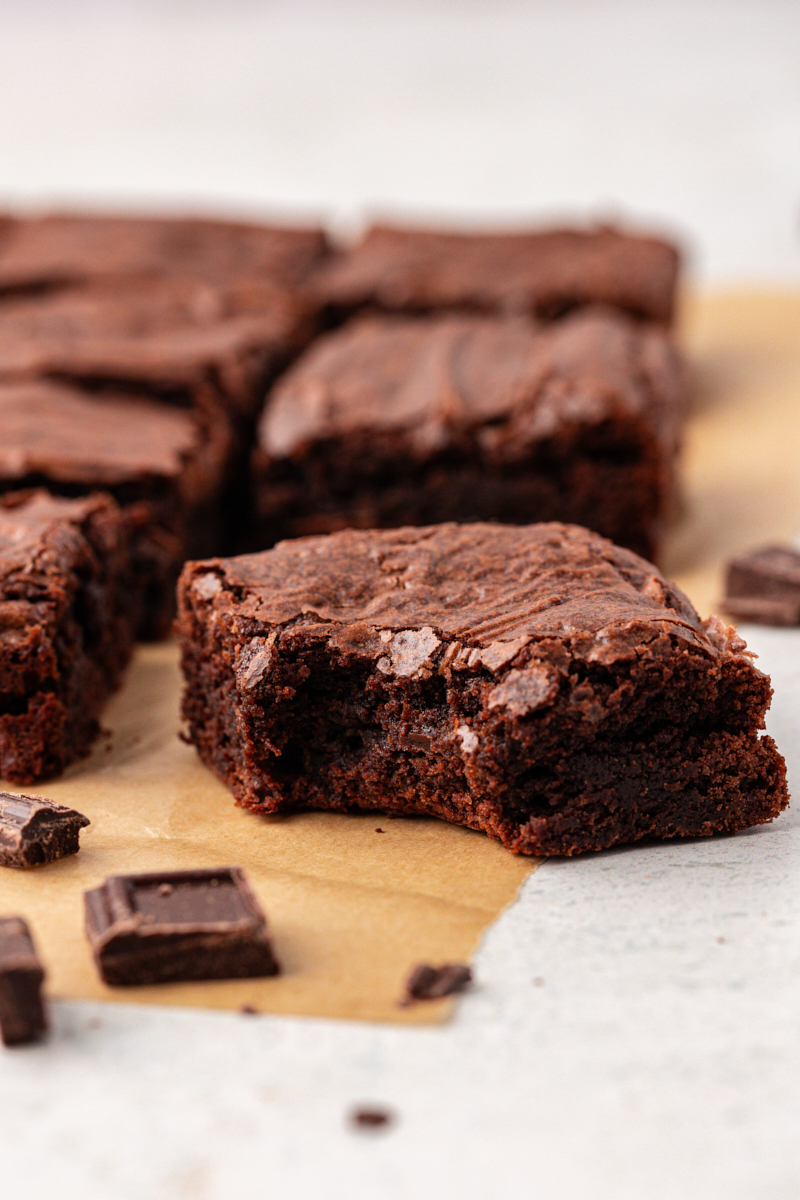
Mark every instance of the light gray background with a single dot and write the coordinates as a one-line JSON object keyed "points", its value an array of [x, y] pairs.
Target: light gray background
{"points": [[661, 1057]]}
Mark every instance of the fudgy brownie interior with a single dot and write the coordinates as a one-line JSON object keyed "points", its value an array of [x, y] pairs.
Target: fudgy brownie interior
{"points": [[537, 683]]}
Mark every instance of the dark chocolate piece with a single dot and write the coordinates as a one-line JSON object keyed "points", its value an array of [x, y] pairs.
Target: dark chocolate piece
{"points": [[432, 983], [570, 698], [35, 830], [67, 615], [178, 925], [542, 273], [764, 586], [165, 466], [22, 1013], [396, 421], [371, 1118]]}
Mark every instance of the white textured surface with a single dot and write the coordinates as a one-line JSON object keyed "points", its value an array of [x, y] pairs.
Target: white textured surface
{"points": [[661, 1055]]}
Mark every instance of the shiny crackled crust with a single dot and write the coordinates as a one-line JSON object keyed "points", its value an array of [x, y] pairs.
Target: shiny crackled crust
{"points": [[538, 683], [394, 420]]}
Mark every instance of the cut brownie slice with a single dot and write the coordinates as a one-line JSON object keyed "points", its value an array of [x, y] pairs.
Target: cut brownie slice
{"points": [[543, 272], [167, 467], [396, 420], [182, 341], [66, 626], [538, 683], [59, 249]]}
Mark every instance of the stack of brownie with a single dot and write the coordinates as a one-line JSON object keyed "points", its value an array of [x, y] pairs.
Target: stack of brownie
{"points": [[228, 385]]}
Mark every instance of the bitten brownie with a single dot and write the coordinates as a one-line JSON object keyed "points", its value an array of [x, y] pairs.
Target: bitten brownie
{"points": [[538, 683], [543, 273], [164, 465], [66, 626], [403, 421]]}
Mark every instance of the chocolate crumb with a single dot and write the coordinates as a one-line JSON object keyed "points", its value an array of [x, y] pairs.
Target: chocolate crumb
{"points": [[371, 1118], [378, 829], [432, 983], [538, 981], [248, 1010]]}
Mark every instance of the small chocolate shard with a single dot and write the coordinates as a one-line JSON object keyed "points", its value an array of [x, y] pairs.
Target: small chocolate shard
{"points": [[763, 586], [22, 1014], [371, 1118], [178, 925], [35, 830], [432, 983]]}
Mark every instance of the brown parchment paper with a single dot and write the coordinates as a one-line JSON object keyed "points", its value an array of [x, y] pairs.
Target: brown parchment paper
{"points": [[353, 910]]}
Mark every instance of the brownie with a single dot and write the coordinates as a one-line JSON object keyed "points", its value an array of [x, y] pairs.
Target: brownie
{"points": [[66, 626], [181, 341], [393, 420], [540, 272], [170, 926], [537, 683], [58, 249], [165, 466]]}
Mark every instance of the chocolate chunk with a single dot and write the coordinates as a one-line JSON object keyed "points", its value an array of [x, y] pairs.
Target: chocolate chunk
{"points": [[371, 1118], [432, 983], [763, 586], [22, 1015], [35, 830], [178, 925]]}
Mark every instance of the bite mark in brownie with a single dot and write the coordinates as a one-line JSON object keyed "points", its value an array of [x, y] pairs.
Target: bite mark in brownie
{"points": [[66, 626], [537, 683], [542, 272], [165, 466], [392, 421]]}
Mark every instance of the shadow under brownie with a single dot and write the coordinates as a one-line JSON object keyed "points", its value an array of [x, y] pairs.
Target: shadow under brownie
{"points": [[395, 421], [537, 683], [66, 626]]}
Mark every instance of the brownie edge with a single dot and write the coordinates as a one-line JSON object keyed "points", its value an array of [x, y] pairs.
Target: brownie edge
{"points": [[538, 683]]}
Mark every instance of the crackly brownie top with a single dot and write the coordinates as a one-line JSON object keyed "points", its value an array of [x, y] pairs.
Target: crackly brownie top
{"points": [[70, 436], [41, 534], [543, 271], [170, 329], [61, 248], [500, 379], [493, 588]]}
